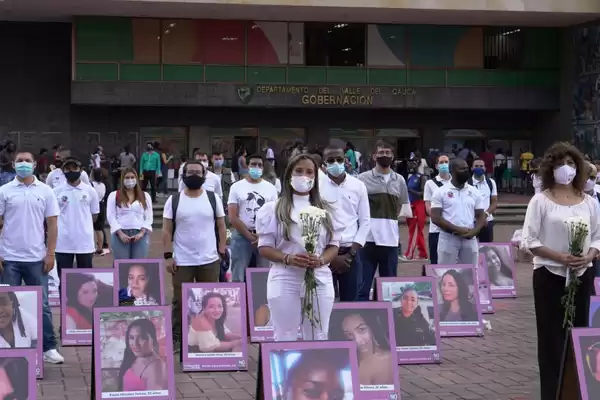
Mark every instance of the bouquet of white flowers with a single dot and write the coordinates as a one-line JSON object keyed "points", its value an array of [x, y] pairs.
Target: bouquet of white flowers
{"points": [[578, 230], [311, 220]]}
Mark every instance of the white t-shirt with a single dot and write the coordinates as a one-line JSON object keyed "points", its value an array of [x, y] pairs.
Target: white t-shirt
{"points": [[429, 190], [458, 205], [96, 160], [75, 223], [499, 159], [486, 193], [250, 197], [100, 189], [195, 242], [56, 177]]}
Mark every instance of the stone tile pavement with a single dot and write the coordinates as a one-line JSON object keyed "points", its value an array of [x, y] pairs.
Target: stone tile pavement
{"points": [[500, 366]]}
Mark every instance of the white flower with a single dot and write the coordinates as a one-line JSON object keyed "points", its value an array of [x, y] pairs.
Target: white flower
{"points": [[314, 212], [576, 221]]}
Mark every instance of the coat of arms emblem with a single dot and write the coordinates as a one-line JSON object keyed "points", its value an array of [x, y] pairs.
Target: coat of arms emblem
{"points": [[245, 94]]}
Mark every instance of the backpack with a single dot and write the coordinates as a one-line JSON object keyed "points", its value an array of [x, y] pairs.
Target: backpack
{"points": [[487, 180], [213, 203]]}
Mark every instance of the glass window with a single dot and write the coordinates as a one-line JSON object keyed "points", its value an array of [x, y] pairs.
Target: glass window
{"points": [[180, 42], [221, 42], [267, 43], [502, 48], [296, 43], [335, 44], [230, 140]]}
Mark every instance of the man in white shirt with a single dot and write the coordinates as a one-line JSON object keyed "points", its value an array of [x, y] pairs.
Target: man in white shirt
{"points": [[443, 177], [350, 204], [79, 207], [246, 197], [194, 236], [56, 177], [268, 153], [25, 204], [454, 208], [212, 182], [225, 174], [489, 193]]}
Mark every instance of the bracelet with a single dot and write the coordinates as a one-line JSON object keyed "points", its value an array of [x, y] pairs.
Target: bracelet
{"points": [[286, 259], [322, 261], [51, 255]]}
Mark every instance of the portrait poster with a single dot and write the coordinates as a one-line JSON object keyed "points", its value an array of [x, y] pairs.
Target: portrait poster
{"points": [[17, 374], [53, 285], [142, 280], [214, 327], [458, 299], [597, 286], [21, 314], [499, 261], [586, 344], [259, 314], [594, 312], [82, 290], [415, 310], [370, 325], [122, 335], [485, 289], [329, 367]]}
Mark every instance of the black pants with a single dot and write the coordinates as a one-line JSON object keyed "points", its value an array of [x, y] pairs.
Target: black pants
{"points": [[150, 178], [486, 234], [433, 242], [548, 290], [66, 260]]}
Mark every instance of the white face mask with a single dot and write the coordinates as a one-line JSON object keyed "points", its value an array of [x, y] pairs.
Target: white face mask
{"points": [[564, 174], [205, 163], [589, 185], [130, 183], [301, 183]]}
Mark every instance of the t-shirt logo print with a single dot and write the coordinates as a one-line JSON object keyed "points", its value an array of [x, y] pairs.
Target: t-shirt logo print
{"points": [[254, 201]]}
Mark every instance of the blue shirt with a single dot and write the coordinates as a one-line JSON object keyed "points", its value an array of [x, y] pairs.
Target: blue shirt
{"points": [[414, 183]]}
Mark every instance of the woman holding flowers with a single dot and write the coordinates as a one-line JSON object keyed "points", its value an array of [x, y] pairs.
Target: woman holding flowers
{"points": [[296, 234], [562, 230]]}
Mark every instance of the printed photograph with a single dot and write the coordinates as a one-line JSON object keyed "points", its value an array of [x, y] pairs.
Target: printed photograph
{"points": [[141, 280], [368, 325], [500, 267], [310, 373], [84, 289], [594, 312], [456, 298], [258, 296], [53, 288], [134, 355], [17, 375], [587, 358]]}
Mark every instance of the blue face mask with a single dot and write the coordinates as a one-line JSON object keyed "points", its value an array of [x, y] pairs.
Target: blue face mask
{"points": [[255, 173], [24, 169], [218, 163], [336, 169], [478, 171], [444, 168]]}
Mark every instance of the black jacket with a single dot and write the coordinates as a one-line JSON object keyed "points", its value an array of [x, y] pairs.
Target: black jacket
{"points": [[413, 330]]}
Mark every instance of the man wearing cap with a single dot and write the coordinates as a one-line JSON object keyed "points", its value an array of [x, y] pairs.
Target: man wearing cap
{"points": [[57, 177]]}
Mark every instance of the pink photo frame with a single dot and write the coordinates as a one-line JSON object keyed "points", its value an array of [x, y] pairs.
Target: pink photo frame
{"points": [[594, 317], [29, 309], [498, 259], [421, 346], [258, 308], [76, 318], [350, 321], [597, 286], [280, 361], [19, 366], [586, 346], [485, 290], [202, 350], [153, 293], [467, 321], [113, 356]]}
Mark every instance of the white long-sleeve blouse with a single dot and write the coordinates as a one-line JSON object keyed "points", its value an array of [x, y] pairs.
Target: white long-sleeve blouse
{"points": [[135, 216]]}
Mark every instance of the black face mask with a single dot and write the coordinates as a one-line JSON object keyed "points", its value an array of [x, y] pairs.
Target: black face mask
{"points": [[462, 177], [384, 161], [193, 182], [58, 163], [72, 176]]}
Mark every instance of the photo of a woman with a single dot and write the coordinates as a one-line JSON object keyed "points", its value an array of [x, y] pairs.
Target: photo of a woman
{"points": [[500, 265], [14, 378], [141, 281], [260, 306], [18, 320], [311, 374], [84, 292], [369, 329], [412, 328], [456, 303], [216, 328], [590, 351]]}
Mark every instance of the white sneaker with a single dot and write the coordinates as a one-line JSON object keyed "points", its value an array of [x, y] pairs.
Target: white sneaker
{"points": [[53, 357]]}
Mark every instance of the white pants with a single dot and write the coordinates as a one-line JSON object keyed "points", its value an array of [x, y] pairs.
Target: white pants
{"points": [[453, 250], [285, 290]]}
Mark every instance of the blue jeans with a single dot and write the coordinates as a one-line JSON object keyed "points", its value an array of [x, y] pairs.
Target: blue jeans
{"points": [[372, 257], [129, 251], [349, 282], [32, 273], [241, 254], [6, 177]]}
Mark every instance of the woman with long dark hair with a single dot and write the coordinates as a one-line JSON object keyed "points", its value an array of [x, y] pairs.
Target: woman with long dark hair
{"points": [[142, 284], [17, 327], [280, 241], [14, 384], [208, 333], [499, 274], [84, 293], [142, 367], [455, 293], [412, 329]]}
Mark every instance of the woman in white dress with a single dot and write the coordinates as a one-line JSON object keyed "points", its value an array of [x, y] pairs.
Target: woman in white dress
{"points": [[17, 327], [280, 241]]}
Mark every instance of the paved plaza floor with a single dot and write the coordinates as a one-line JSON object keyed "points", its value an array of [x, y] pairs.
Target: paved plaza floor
{"points": [[500, 366]]}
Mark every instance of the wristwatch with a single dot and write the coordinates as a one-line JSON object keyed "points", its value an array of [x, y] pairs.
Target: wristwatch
{"points": [[353, 253], [168, 255]]}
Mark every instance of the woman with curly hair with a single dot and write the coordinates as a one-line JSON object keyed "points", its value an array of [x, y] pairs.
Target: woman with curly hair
{"points": [[545, 234]]}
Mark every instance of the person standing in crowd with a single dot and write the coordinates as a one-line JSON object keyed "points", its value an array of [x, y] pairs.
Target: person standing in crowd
{"points": [[165, 159], [212, 182], [526, 157], [96, 159], [43, 165], [590, 183], [422, 166], [536, 180], [7, 159], [79, 207], [270, 176], [268, 153], [416, 224], [454, 208], [27, 256], [499, 167], [130, 216], [488, 161], [126, 158], [99, 185], [350, 204], [489, 195], [442, 164], [387, 195], [56, 177], [280, 241], [149, 170], [194, 236], [351, 156], [224, 174], [545, 234], [242, 163], [246, 197]]}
